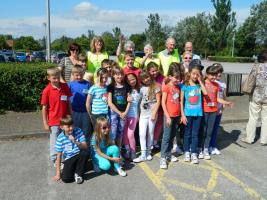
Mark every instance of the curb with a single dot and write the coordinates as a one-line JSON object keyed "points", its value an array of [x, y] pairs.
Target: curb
{"points": [[233, 121], [21, 136]]}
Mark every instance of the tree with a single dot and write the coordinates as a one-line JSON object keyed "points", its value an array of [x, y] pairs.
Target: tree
{"points": [[110, 43], [61, 44], [195, 29], [90, 36], [139, 40], [3, 44], [26, 43], [154, 34], [223, 23], [83, 42]]}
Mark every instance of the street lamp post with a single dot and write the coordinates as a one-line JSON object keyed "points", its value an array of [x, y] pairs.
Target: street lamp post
{"points": [[48, 40], [233, 46]]}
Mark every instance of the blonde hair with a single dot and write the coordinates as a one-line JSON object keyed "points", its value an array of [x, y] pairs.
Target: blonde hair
{"points": [[188, 53], [152, 87], [77, 69], [82, 57], [88, 76], [94, 40], [53, 71], [100, 122]]}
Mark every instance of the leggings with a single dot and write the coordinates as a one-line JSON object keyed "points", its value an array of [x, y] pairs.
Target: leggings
{"points": [[103, 163], [128, 133], [145, 123]]}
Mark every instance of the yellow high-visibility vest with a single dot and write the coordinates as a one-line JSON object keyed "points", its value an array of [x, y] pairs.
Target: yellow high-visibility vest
{"points": [[167, 60], [94, 61], [154, 60], [137, 61]]}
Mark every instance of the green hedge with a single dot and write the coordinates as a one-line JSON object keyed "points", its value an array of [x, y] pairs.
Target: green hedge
{"points": [[231, 59], [22, 85]]}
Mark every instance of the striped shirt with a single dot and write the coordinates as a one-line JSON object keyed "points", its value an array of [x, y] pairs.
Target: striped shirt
{"points": [[66, 66], [65, 146], [99, 100]]}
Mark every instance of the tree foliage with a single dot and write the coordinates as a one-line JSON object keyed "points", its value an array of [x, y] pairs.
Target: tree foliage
{"points": [[27, 43], [139, 40], [61, 44], [110, 42]]}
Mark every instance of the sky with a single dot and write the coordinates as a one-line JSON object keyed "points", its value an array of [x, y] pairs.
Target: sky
{"points": [[74, 17]]}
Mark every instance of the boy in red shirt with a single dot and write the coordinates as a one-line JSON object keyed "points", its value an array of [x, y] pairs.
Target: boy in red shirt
{"points": [[130, 68], [210, 107], [55, 104]]}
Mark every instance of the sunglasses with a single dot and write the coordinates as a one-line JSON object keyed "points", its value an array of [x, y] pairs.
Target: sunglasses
{"points": [[74, 49], [104, 127], [187, 58]]}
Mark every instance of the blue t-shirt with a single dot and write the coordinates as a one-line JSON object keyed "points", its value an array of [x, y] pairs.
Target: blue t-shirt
{"points": [[193, 100], [103, 146], [99, 100], [79, 92], [65, 146]]}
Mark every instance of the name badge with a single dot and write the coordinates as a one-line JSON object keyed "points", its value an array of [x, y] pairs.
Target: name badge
{"points": [[85, 91], [63, 98], [211, 104], [68, 147]]}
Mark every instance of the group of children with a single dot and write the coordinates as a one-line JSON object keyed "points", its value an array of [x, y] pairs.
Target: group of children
{"points": [[99, 116]]}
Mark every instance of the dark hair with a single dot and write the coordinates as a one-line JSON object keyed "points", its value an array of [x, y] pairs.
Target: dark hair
{"points": [[175, 69], [151, 65], [113, 63], [219, 67], [74, 46], [137, 86], [67, 120], [105, 62], [212, 70], [262, 57], [116, 70]]}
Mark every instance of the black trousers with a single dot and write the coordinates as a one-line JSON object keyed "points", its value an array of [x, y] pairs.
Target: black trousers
{"points": [[76, 164]]}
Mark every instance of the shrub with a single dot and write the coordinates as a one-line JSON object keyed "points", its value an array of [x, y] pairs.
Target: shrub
{"points": [[231, 59], [22, 85]]}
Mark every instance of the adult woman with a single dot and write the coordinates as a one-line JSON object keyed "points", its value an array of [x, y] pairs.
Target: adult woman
{"points": [[148, 49], [96, 55], [258, 102], [67, 63]]}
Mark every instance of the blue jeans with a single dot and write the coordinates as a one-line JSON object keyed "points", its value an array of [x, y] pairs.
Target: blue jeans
{"points": [[209, 120], [191, 133], [168, 136], [83, 121], [117, 126], [215, 131]]}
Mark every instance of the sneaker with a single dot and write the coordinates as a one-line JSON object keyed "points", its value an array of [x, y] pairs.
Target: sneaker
{"points": [[179, 151], [139, 159], [187, 157], [163, 163], [206, 154], [156, 146], [78, 179], [215, 151], [121, 172], [174, 158], [201, 155], [149, 157], [194, 159], [96, 168]]}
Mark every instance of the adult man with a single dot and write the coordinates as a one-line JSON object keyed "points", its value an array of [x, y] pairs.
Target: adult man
{"points": [[189, 47], [169, 55]]}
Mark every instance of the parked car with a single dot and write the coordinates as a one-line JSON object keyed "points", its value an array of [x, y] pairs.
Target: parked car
{"points": [[9, 55], [57, 57], [38, 56], [21, 57], [140, 54]]}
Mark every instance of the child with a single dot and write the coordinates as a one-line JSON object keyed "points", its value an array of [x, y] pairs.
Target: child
{"points": [[79, 89], [106, 64], [102, 149], [210, 107], [222, 95], [130, 68], [72, 147], [152, 69], [191, 110], [132, 117], [171, 106], [149, 109], [55, 104], [97, 99], [82, 61], [119, 107]]}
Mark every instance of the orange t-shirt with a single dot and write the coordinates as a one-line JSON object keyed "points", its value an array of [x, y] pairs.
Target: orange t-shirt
{"points": [[210, 103], [173, 99]]}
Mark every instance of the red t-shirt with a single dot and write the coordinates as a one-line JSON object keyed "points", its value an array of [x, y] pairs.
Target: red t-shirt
{"points": [[173, 99], [134, 70], [210, 103], [56, 100]]}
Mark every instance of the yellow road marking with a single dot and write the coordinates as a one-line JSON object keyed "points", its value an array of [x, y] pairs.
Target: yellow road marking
{"points": [[213, 180], [156, 181]]}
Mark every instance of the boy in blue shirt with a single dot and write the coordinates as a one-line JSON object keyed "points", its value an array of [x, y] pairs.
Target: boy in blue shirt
{"points": [[72, 147], [79, 88]]}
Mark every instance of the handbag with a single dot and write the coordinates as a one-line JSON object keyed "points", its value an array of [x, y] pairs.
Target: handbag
{"points": [[250, 82]]}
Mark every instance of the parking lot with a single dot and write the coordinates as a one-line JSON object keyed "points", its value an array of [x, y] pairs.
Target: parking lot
{"points": [[239, 173]]}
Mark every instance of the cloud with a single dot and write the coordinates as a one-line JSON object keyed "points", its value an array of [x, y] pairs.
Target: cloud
{"points": [[87, 16]]}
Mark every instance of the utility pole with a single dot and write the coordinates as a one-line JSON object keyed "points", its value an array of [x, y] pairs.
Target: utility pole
{"points": [[233, 47], [48, 40]]}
